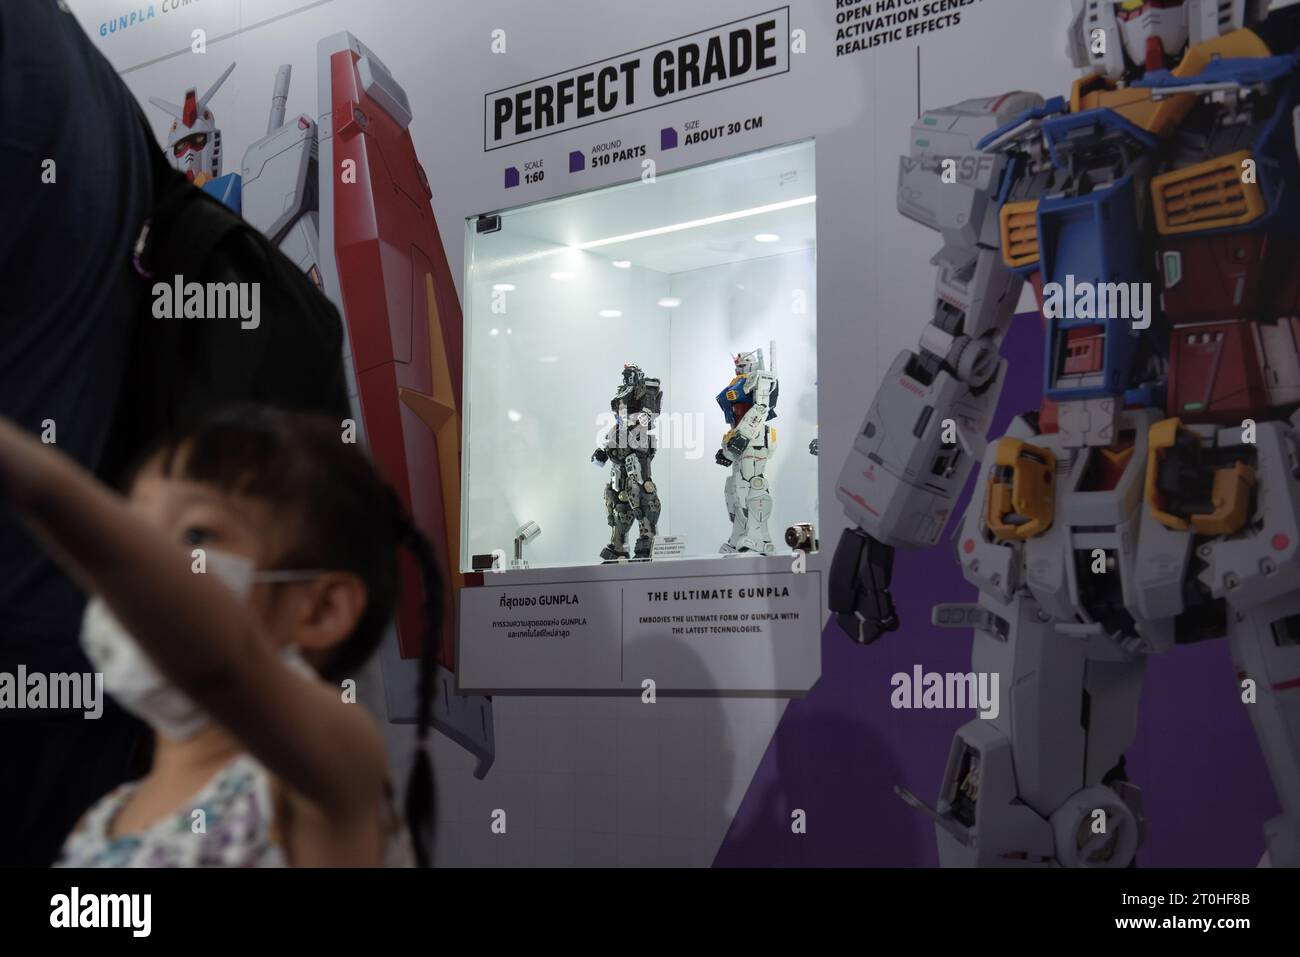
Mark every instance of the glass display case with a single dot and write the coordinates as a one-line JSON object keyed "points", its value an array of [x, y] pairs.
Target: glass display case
{"points": [[686, 277]]}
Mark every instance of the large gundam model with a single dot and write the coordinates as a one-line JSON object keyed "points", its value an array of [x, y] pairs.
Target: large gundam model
{"points": [[748, 403], [345, 197], [1154, 498], [631, 497]]}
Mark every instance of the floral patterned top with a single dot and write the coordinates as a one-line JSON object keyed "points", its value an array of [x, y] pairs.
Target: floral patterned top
{"points": [[236, 829]]}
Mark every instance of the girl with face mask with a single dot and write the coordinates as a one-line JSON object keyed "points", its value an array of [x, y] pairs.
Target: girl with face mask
{"points": [[237, 589]]}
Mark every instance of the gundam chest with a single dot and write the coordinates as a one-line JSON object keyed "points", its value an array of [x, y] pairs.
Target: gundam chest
{"points": [[738, 398], [735, 400], [227, 189], [1185, 262]]}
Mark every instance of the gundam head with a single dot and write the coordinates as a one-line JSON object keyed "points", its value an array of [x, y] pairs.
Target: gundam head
{"points": [[749, 362], [193, 141], [632, 386], [1123, 39]]}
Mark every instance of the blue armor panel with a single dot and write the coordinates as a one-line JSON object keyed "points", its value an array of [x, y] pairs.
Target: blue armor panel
{"points": [[739, 390], [229, 189], [1092, 239]]}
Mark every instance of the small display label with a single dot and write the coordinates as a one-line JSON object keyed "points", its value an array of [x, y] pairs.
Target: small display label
{"points": [[669, 546]]}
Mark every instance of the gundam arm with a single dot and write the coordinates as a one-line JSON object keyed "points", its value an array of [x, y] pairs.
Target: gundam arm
{"points": [[751, 426], [928, 421]]}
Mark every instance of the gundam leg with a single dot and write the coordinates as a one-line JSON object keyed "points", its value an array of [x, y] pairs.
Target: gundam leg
{"points": [[733, 511], [750, 504], [1265, 645], [646, 505], [619, 513], [1259, 576], [1040, 781]]}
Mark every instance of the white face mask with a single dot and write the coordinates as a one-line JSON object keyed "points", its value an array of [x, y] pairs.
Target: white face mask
{"points": [[131, 677]]}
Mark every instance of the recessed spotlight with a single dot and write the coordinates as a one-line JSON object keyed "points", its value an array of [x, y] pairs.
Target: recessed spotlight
{"points": [[670, 302], [766, 238], [610, 313], [622, 264], [509, 331], [513, 416], [503, 287], [494, 332], [561, 276]]}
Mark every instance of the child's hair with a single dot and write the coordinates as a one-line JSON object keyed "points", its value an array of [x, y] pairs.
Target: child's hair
{"points": [[340, 515]]}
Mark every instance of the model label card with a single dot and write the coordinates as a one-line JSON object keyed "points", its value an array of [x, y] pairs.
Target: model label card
{"points": [[725, 633], [714, 59]]}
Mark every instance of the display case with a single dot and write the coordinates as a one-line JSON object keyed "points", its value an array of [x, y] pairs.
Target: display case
{"points": [[677, 276]]}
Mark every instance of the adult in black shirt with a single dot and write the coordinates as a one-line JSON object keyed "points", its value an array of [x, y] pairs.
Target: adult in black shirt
{"points": [[75, 187]]}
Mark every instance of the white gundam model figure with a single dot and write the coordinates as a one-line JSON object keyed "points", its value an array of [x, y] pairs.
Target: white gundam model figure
{"points": [[631, 497], [748, 403], [1154, 497], [344, 196]]}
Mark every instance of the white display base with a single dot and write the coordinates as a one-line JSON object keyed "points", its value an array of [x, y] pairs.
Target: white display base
{"points": [[750, 626]]}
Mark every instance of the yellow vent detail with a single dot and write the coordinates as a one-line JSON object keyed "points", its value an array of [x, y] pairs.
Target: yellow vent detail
{"points": [[1209, 195], [1020, 233]]}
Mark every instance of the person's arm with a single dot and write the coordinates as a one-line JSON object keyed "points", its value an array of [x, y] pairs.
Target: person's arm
{"points": [[195, 630]]}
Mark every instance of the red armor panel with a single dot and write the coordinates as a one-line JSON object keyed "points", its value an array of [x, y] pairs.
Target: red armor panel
{"points": [[1213, 278], [1230, 355], [404, 324], [1215, 373]]}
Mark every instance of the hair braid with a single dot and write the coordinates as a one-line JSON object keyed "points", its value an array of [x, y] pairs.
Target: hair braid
{"points": [[420, 794]]}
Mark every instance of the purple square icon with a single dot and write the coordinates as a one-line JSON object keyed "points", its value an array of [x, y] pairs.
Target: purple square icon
{"points": [[667, 138], [512, 177], [577, 161]]}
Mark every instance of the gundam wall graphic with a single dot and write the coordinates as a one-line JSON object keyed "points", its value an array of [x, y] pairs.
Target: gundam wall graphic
{"points": [[902, 392], [1151, 499], [339, 197]]}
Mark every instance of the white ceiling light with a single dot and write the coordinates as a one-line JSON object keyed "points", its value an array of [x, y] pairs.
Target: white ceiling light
{"points": [[610, 313], [694, 223], [503, 287], [622, 264], [561, 276], [494, 332], [766, 238], [513, 416], [670, 302]]}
